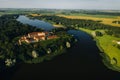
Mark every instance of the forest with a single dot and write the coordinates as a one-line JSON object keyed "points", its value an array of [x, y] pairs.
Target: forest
{"points": [[12, 53]]}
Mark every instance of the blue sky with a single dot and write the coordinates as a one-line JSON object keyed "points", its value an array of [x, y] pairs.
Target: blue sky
{"points": [[61, 4]]}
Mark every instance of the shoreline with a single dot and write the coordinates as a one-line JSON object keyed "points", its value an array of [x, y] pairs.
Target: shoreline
{"points": [[46, 57], [57, 26], [105, 57]]}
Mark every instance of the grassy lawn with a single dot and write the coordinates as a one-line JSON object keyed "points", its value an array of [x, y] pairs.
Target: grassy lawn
{"points": [[58, 25], [105, 19], [107, 42], [34, 15]]}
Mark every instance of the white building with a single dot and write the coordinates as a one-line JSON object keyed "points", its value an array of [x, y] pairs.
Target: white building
{"points": [[118, 42]]}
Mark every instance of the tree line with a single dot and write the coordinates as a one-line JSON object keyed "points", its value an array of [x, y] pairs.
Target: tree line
{"points": [[77, 23]]}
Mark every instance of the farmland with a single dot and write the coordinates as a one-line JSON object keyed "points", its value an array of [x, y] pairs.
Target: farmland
{"points": [[102, 18]]}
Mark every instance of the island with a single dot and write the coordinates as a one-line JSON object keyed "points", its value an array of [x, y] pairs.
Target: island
{"points": [[23, 43]]}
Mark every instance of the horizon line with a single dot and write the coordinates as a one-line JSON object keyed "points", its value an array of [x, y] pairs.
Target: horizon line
{"points": [[58, 8]]}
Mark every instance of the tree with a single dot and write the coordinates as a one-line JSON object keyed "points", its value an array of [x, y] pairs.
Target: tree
{"points": [[68, 45], [34, 54], [98, 33]]}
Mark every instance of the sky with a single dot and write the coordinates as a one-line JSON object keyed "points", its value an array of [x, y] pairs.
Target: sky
{"points": [[62, 4]]}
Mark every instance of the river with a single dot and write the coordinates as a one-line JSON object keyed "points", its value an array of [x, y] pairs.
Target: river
{"points": [[35, 22], [82, 61]]}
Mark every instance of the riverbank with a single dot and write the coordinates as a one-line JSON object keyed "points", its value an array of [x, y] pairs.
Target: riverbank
{"points": [[50, 21], [46, 57], [109, 53], [58, 26]]}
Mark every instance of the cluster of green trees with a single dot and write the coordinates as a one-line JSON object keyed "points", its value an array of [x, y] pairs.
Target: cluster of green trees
{"points": [[103, 13], [95, 12], [98, 33], [116, 45], [116, 22], [88, 24]]}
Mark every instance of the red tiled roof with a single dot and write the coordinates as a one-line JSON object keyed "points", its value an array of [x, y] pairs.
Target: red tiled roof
{"points": [[35, 36], [51, 37], [35, 33], [39, 37]]}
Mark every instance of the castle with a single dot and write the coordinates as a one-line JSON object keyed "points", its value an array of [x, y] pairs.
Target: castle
{"points": [[36, 37]]}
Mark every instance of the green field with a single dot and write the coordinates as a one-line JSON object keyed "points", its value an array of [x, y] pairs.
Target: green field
{"points": [[107, 43]]}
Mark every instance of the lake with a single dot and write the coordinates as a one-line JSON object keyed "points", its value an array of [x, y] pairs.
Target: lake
{"points": [[82, 61]]}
